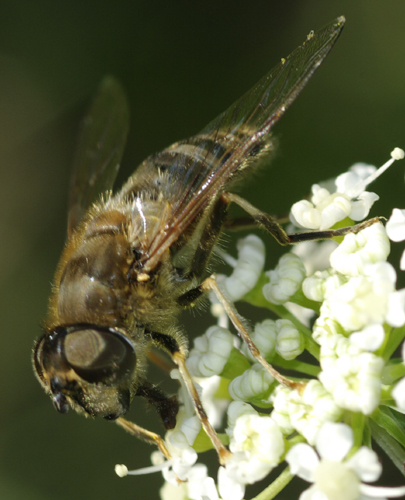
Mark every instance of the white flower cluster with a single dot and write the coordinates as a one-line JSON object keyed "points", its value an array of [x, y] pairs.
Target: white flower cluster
{"points": [[358, 307]]}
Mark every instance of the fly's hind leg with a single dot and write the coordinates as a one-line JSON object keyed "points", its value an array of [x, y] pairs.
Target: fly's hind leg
{"points": [[272, 225]]}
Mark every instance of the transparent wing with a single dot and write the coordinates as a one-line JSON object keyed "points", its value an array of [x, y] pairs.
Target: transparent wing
{"points": [[201, 167], [99, 150]]}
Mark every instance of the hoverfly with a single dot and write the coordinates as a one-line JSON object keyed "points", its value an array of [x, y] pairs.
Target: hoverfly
{"points": [[135, 259]]}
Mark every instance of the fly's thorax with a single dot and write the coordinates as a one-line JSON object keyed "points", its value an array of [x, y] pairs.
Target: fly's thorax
{"points": [[147, 219]]}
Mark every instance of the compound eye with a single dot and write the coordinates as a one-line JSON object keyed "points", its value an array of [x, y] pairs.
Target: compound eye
{"points": [[99, 355]]}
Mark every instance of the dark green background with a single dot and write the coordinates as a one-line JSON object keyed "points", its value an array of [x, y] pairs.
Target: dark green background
{"points": [[182, 63]]}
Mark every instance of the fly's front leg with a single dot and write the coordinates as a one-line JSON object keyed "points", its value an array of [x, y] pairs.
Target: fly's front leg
{"points": [[210, 284], [144, 435], [179, 354], [272, 225], [167, 407]]}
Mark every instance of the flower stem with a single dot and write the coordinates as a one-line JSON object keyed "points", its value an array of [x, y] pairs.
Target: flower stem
{"points": [[396, 336], [297, 366], [276, 486]]}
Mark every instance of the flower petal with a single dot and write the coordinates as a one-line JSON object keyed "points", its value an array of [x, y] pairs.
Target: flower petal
{"points": [[334, 441], [366, 464], [302, 460], [396, 225]]}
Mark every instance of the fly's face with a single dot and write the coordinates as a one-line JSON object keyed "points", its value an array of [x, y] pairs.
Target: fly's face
{"points": [[88, 367]]}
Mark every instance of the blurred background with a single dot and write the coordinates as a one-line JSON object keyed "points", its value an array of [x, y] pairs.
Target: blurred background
{"points": [[182, 63]]}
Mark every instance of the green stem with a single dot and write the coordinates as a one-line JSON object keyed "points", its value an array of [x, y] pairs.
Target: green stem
{"points": [[276, 486], [393, 371], [358, 421], [297, 366], [396, 336]]}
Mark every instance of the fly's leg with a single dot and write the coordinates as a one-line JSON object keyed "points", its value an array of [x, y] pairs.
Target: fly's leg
{"points": [[167, 408], [272, 225], [179, 355], [210, 284], [144, 435]]}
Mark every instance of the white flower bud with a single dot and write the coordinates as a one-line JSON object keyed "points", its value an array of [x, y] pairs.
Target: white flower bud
{"points": [[210, 353], [253, 383], [264, 337], [250, 263], [290, 342], [285, 280], [358, 250]]}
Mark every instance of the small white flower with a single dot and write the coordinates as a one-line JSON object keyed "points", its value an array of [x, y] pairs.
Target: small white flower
{"points": [[179, 444], [368, 299], [352, 376], [307, 410], [253, 384], [248, 267], [334, 476], [259, 438], [330, 205], [358, 250], [285, 280], [235, 410], [321, 284], [199, 486], [326, 208], [257, 446], [211, 352]]}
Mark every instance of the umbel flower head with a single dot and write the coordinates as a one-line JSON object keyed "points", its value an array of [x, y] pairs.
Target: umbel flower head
{"points": [[348, 388]]}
